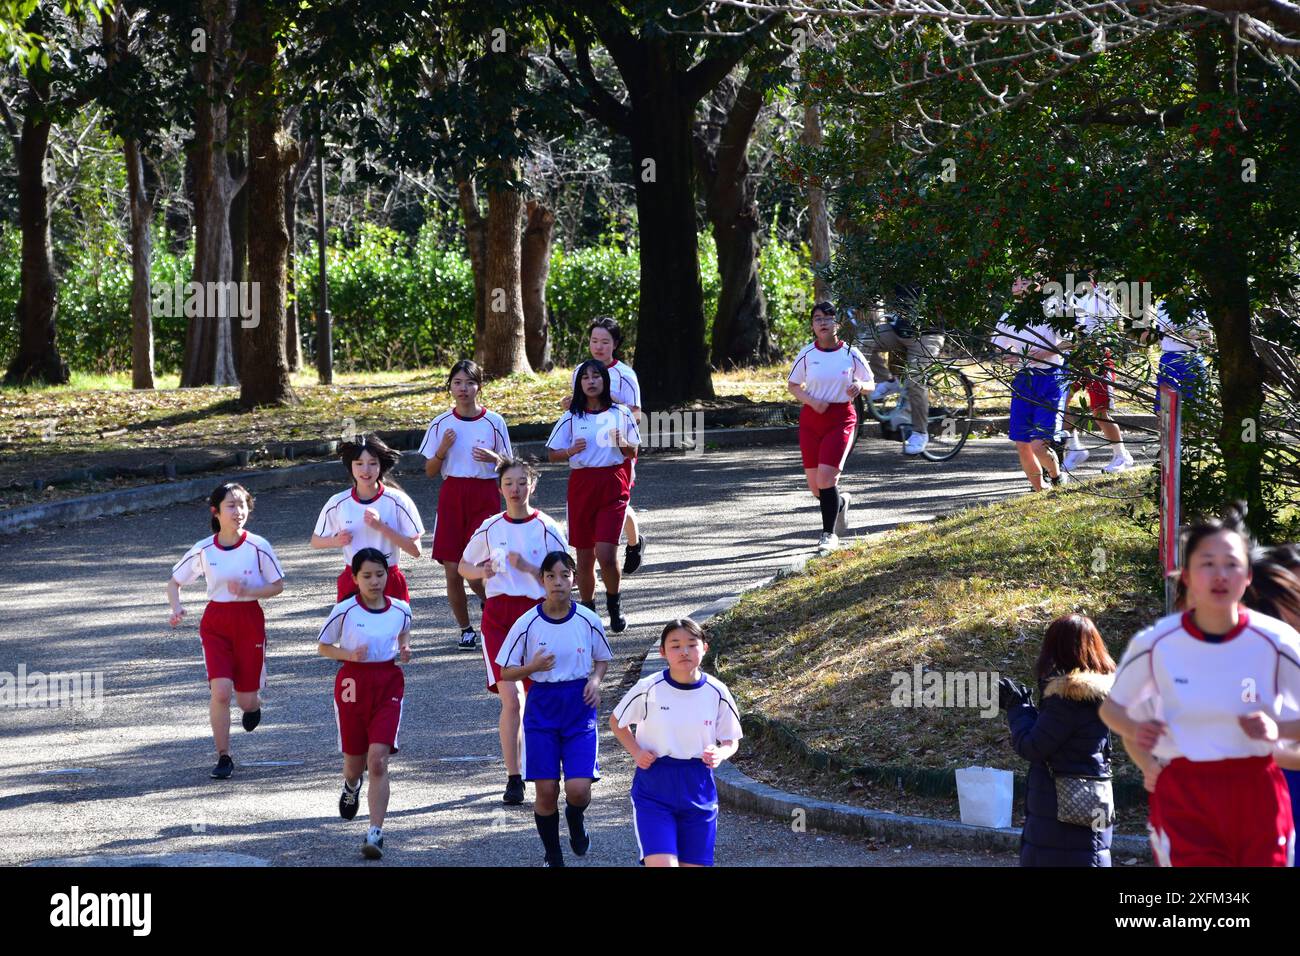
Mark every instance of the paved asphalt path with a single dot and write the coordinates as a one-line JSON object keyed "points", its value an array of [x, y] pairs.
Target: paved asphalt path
{"points": [[91, 597]]}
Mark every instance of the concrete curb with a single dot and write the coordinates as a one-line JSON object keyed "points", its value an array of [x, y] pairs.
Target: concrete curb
{"points": [[738, 790]]}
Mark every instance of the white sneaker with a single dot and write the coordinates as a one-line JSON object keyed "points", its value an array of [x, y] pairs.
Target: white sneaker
{"points": [[1074, 457], [828, 543], [884, 388], [842, 516], [916, 443], [1119, 463]]}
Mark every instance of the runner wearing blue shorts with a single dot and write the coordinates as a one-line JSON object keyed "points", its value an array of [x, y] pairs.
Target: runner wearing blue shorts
{"points": [[1181, 366], [686, 725], [1038, 392], [560, 646]]}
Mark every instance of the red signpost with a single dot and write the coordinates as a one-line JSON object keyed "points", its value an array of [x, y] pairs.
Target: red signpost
{"points": [[1170, 490]]}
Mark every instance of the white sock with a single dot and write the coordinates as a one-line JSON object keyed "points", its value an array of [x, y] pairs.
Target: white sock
{"points": [[375, 832], [352, 787], [1119, 449], [1075, 444]]}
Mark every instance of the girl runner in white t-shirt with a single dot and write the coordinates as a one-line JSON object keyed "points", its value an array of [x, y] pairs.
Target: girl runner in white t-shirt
{"points": [[464, 445], [1208, 692], [505, 553], [240, 568], [596, 436], [604, 338]]}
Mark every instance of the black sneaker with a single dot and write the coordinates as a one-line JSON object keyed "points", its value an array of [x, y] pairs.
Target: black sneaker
{"points": [[224, 768], [252, 718], [552, 861], [633, 555], [617, 622], [468, 640], [349, 800], [373, 847], [514, 794]]}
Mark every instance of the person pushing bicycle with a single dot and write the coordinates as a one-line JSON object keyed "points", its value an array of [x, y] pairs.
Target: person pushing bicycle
{"points": [[905, 332]]}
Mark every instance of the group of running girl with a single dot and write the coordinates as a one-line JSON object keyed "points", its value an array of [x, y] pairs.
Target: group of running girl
{"points": [[538, 644]]}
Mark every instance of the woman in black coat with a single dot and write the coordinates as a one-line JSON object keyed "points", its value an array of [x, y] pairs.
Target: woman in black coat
{"points": [[1074, 676]]}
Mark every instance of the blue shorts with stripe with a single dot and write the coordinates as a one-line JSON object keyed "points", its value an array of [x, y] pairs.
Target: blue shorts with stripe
{"points": [[1038, 397], [559, 732], [1184, 372], [675, 810]]}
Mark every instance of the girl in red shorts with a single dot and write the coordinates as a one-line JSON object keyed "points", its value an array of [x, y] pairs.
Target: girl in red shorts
{"points": [[240, 568], [368, 632], [464, 445], [1200, 693], [506, 554], [596, 436], [827, 375], [371, 514]]}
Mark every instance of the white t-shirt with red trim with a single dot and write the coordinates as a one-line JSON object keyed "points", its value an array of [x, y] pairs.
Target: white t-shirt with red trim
{"points": [[252, 561], [352, 625], [486, 430], [826, 374], [1199, 688], [595, 428], [624, 387], [346, 512], [532, 538]]}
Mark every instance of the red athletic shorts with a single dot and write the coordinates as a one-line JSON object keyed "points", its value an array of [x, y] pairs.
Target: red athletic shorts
{"points": [[597, 504], [824, 436], [630, 465], [463, 505], [499, 615], [1099, 386], [368, 704], [1222, 813], [394, 587], [234, 643]]}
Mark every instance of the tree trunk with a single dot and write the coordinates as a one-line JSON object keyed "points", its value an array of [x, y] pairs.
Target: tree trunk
{"points": [[38, 358], [819, 232], [272, 153], [141, 256], [115, 23], [503, 344], [476, 246], [741, 332], [292, 341], [671, 358], [238, 243], [209, 358], [535, 252]]}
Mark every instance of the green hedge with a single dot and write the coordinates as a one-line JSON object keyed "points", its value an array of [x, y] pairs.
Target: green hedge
{"points": [[396, 304]]}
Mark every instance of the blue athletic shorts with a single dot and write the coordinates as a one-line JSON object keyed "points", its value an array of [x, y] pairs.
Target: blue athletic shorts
{"points": [[675, 810], [559, 732], [1183, 371], [1038, 398]]}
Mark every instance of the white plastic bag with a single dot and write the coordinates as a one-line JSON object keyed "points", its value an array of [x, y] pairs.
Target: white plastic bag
{"points": [[984, 795]]}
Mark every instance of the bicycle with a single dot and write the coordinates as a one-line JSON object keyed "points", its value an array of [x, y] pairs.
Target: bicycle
{"points": [[952, 406]]}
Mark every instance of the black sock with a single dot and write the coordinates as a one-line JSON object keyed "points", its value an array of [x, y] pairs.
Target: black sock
{"points": [[573, 815], [611, 602], [830, 502], [548, 828]]}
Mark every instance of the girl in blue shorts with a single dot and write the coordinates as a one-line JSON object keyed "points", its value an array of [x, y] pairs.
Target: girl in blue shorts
{"points": [[560, 646], [686, 725], [1038, 392]]}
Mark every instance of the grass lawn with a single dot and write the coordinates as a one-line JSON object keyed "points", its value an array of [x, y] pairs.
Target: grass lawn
{"points": [[971, 592]]}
